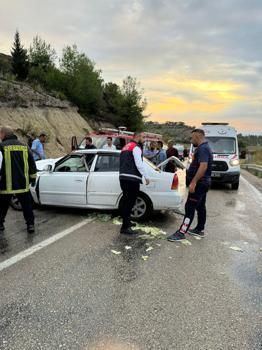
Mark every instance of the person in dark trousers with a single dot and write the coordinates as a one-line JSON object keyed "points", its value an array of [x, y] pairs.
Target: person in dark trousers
{"points": [[131, 173], [89, 143], [199, 176], [17, 171], [171, 151]]}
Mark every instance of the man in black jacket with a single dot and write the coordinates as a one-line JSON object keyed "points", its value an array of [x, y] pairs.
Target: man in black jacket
{"points": [[131, 172], [17, 171]]}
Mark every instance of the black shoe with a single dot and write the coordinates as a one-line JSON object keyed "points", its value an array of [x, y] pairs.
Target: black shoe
{"points": [[196, 232], [176, 237], [127, 231], [2, 227], [30, 228]]}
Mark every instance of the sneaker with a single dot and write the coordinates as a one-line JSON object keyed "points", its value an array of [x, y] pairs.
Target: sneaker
{"points": [[127, 231], [30, 228], [176, 237], [2, 227], [196, 232]]}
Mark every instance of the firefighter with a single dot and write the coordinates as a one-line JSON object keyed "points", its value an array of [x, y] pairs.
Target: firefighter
{"points": [[200, 177], [17, 171], [131, 172]]}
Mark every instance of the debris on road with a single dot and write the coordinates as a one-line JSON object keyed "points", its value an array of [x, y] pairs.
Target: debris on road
{"points": [[145, 257], [237, 249], [117, 221], [149, 249], [186, 242], [150, 230], [127, 247], [116, 252], [104, 217], [197, 238]]}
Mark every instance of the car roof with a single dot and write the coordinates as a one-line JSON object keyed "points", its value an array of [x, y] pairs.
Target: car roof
{"points": [[96, 151]]}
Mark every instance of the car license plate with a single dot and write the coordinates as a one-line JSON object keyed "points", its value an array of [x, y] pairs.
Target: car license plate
{"points": [[215, 174]]}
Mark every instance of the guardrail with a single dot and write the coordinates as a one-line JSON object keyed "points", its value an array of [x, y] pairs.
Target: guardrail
{"points": [[255, 169]]}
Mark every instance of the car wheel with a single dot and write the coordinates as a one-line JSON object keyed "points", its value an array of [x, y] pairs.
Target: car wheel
{"points": [[15, 204], [142, 209], [235, 185]]}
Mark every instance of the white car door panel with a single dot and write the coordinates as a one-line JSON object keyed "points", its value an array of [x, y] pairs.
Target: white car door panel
{"points": [[103, 184], [66, 185]]}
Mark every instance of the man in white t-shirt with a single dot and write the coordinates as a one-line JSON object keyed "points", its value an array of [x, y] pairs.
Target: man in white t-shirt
{"points": [[109, 144]]}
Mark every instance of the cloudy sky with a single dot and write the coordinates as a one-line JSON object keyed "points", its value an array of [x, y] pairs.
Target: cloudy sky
{"points": [[197, 60]]}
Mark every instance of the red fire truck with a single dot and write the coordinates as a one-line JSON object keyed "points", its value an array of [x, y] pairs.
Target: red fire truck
{"points": [[119, 136]]}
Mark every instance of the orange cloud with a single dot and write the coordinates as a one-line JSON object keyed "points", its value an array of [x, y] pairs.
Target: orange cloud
{"points": [[165, 95], [179, 105]]}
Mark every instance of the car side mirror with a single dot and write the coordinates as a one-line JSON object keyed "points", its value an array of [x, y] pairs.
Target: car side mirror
{"points": [[48, 168]]}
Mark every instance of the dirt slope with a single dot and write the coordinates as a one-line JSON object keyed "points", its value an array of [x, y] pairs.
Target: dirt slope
{"points": [[29, 111]]}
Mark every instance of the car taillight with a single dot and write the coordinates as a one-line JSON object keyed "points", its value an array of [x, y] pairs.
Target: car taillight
{"points": [[175, 182]]}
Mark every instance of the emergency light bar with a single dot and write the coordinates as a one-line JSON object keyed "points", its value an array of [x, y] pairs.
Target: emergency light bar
{"points": [[214, 123]]}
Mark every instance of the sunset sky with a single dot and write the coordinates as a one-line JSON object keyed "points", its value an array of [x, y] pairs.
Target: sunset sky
{"points": [[197, 60]]}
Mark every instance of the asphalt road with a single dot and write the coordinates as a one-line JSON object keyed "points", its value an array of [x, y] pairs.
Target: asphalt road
{"points": [[76, 294]]}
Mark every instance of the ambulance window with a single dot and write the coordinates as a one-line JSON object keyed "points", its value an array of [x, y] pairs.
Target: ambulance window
{"points": [[222, 145]]}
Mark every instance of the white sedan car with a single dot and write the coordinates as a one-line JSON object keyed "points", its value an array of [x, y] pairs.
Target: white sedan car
{"points": [[90, 179]]}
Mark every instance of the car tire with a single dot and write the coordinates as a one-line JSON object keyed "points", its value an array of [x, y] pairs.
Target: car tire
{"points": [[235, 185], [142, 209]]}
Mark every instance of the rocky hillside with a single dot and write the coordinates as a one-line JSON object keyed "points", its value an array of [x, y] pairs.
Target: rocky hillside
{"points": [[5, 64], [30, 111]]}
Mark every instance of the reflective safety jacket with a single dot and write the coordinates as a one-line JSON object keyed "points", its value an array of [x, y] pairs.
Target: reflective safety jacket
{"points": [[18, 166]]}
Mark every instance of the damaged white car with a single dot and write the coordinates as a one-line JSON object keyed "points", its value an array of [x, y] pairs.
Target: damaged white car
{"points": [[90, 179]]}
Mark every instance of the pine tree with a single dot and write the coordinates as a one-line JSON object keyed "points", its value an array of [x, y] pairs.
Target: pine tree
{"points": [[20, 64]]}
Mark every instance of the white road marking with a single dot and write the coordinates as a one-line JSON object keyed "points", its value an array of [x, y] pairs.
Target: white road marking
{"points": [[24, 254], [256, 192]]}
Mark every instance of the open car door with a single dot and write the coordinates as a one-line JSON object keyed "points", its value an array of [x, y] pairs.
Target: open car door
{"points": [[178, 163], [74, 144]]}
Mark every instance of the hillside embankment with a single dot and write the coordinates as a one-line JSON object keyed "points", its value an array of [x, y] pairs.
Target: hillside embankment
{"points": [[30, 111]]}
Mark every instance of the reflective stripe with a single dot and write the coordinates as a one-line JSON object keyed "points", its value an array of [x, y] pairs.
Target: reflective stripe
{"points": [[130, 175], [8, 169], [16, 148], [15, 191], [26, 170]]}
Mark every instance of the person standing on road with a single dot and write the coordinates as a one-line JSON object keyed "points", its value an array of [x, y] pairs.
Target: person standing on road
{"points": [[151, 153], [170, 152], [131, 172], [89, 143], [38, 147], [199, 176], [109, 144], [17, 171], [161, 156]]}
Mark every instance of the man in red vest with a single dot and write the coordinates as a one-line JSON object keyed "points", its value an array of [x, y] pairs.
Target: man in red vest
{"points": [[131, 173]]}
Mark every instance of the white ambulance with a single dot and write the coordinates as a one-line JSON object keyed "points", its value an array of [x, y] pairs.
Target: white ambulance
{"points": [[223, 141]]}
